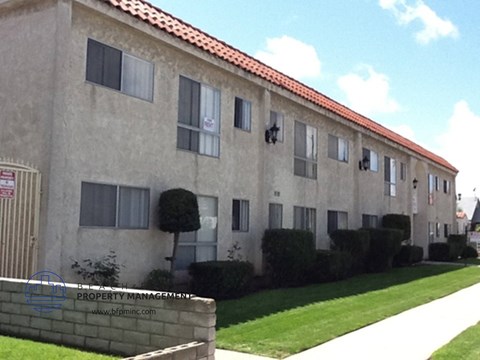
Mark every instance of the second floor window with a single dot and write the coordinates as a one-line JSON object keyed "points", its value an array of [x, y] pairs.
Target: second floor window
{"points": [[117, 70], [198, 118], [431, 187], [276, 118], [373, 157], [243, 114], [337, 148], [305, 156], [390, 175]]}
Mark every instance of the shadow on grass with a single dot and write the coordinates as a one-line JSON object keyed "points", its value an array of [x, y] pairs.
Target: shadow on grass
{"points": [[264, 303]]}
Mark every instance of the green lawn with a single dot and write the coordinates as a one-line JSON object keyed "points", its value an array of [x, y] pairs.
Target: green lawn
{"points": [[20, 349], [282, 322], [469, 261], [465, 346]]}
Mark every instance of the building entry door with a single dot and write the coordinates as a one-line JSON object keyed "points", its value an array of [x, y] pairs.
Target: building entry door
{"points": [[19, 216]]}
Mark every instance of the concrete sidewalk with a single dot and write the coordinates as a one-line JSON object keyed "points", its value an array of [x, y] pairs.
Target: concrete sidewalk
{"points": [[414, 334]]}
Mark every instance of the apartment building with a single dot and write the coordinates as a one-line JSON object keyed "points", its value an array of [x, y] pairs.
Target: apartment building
{"points": [[107, 103]]}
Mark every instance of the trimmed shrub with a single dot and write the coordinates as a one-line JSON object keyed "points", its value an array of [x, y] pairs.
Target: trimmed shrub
{"points": [[384, 245], [158, 280], [439, 251], [408, 255], [221, 279], [354, 242], [289, 255], [331, 265], [398, 221], [457, 243], [469, 252]]}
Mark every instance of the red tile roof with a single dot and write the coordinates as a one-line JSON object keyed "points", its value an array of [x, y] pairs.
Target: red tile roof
{"points": [[158, 18]]}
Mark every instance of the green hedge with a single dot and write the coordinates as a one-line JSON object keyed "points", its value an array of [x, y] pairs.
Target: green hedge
{"points": [[439, 251], [384, 245], [289, 255], [331, 265], [408, 255], [354, 242], [469, 252], [457, 243], [398, 221], [221, 279], [158, 280]]}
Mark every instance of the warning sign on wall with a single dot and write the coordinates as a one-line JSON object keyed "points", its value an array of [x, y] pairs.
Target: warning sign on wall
{"points": [[7, 184]]}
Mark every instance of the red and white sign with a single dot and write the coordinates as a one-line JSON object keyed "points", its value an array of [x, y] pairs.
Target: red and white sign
{"points": [[7, 184]]}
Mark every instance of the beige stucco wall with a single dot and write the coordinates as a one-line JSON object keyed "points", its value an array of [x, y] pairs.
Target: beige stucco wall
{"points": [[101, 135]]}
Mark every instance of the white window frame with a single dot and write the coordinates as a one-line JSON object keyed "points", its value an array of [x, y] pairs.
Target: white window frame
{"points": [[309, 158], [205, 135], [340, 146], [242, 223], [242, 121], [118, 208], [308, 219], [149, 87], [390, 176]]}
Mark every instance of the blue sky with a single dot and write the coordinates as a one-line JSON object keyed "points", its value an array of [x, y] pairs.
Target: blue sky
{"points": [[410, 65]]}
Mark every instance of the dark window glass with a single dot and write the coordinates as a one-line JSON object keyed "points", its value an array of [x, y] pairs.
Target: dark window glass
{"points": [[98, 205], [104, 64]]}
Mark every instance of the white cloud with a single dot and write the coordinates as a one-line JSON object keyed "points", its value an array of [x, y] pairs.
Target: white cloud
{"points": [[292, 57], [368, 93], [434, 27], [459, 145], [405, 130]]}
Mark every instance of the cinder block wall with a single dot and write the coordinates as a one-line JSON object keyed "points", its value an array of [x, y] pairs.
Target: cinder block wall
{"points": [[160, 323]]}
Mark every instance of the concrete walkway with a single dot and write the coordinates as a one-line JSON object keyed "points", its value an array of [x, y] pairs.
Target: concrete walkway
{"points": [[414, 334]]}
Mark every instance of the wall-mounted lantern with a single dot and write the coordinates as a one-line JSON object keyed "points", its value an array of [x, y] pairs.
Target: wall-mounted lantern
{"points": [[415, 182], [364, 164], [271, 134]]}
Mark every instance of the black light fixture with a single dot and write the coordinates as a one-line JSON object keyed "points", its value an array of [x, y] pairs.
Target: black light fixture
{"points": [[415, 182], [271, 134], [459, 197], [364, 164]]}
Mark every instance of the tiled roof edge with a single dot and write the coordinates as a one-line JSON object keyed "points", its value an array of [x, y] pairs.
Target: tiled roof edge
{"points": [[176, 27]]}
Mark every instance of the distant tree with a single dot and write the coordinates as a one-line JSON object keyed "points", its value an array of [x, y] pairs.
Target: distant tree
{"points": [[178, 212]]}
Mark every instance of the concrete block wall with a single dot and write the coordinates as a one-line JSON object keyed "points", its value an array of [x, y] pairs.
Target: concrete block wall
{"points": [[130, 325]]}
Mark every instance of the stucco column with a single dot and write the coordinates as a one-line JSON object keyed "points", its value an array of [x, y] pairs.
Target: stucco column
{"points": [[356, 220]]}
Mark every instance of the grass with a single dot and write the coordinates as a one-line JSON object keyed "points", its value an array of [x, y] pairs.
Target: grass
{"points": [[20, 349], [283, 322], [465, 346], [475, 261]]}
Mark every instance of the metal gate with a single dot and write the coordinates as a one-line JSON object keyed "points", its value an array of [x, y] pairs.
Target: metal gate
{"points": [[19, 211]]}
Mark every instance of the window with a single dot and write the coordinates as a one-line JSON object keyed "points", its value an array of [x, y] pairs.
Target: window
{"points": [[437, 183], [304, 218], [431, 232], [305, 159], [373, 157], [276, 118], [369, 221], [403, 171], [446, 230], [240, 215], [198, 118], [243, 114], [336, 220], [390, 171], [446, 186], [200, 245], [431, 185], [337, 148], [114, 206], [275, 216], [437, 230], [114, 69]]}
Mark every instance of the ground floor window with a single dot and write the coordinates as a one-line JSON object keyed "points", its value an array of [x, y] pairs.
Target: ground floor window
{"points": [[369, 221], [115, 206], [200, 245], [275, 216], [336, 220], [304, 218], [240, 215], [431, 232]]}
